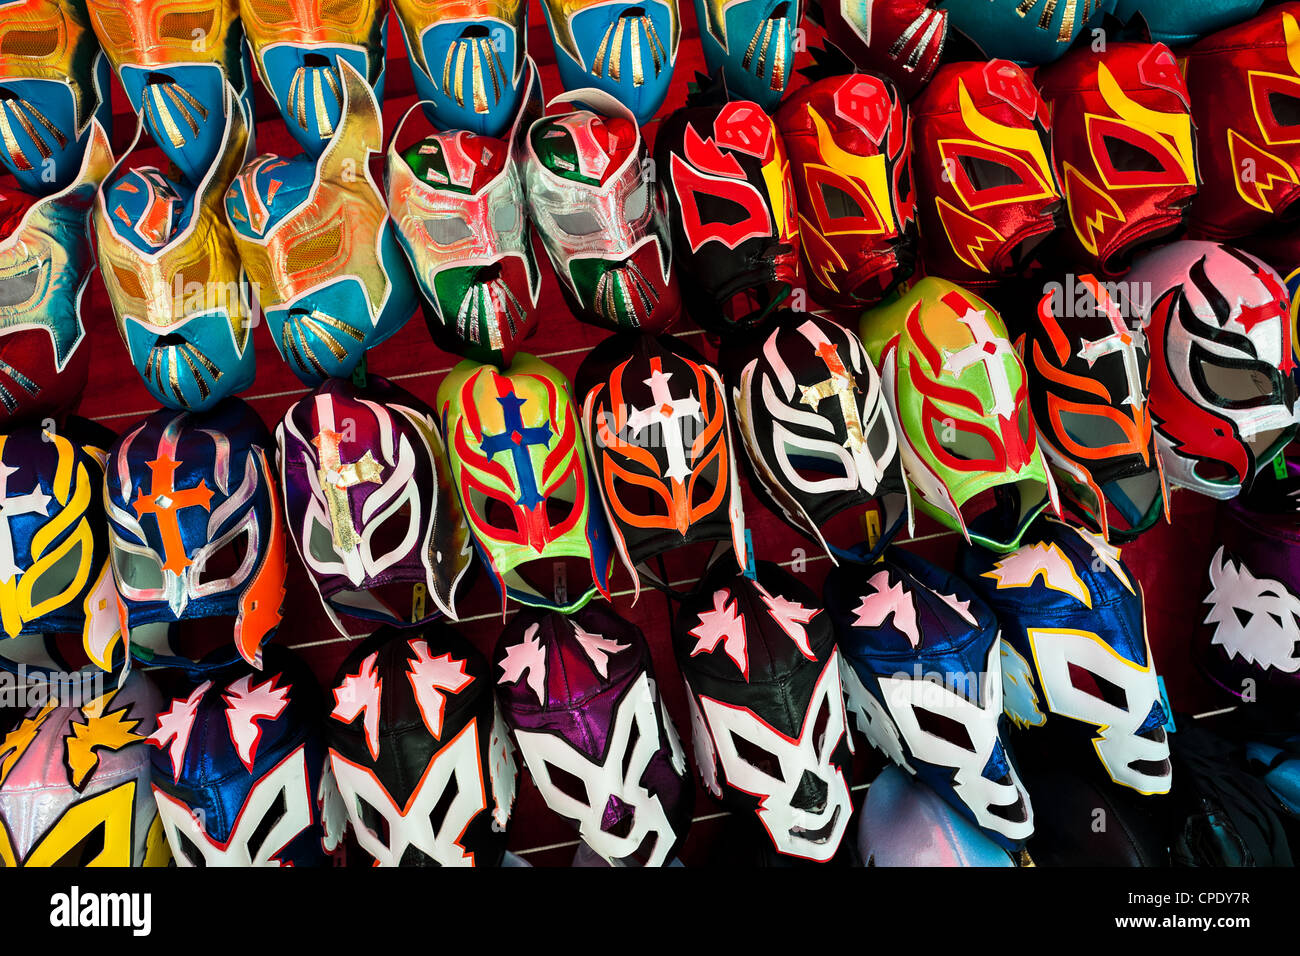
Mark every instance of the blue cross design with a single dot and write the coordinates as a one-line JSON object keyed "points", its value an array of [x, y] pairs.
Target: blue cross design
{"points": [[517, 439]]}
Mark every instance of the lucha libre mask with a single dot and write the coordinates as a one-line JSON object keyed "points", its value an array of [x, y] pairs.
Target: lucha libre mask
{"points": [[767, 713], [319, 247], [1244, 83], [1247, 643], [54, 85], [752, 43], [240, 770], [173, 276], [626, 50], [922, 678], [1122, 149], [54, 571], [45, 263], [1222, 396], [1016, 30], [458, 203], [958, 389], [982, 169], [195, 529], [1089, 368], [74, 780], [1074, 646], [370, 505], [902, 40], [850, 148], [467, 59], [422, 761], [599, 215], [580, 698], [1177, 22], [175, 58], [1182, 21], [521, 472], [819, 433], [298, 46], [735, 234], [657, 433]]}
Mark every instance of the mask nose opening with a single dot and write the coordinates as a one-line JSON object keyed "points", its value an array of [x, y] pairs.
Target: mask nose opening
{"points": [[810, 795], [618, 818]]}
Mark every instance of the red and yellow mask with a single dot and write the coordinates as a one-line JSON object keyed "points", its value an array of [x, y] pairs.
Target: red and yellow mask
{"points": [[849, 143], [1123, 148], [982, 164], [1245, 88]]}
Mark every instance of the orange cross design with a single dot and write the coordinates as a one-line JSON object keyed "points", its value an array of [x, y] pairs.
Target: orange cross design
{"points": [[164, 501]]}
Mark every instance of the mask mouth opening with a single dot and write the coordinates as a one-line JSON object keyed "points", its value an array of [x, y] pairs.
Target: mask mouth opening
{"points": [[1002, 514], [1151, 768], [200, 640], [1023, 252], [1134, 502], [557, 582], [1215, 472], [392, 601], [822, 834], [1011, 812]]}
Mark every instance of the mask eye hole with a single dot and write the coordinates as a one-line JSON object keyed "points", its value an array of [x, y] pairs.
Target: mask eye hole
{"points": [[182, 26], [85, 850], [57, 577], [568, 784], [580, 223], [438, 815], [274, 814], [719, 210], [222, 564], [637, 201], [1126, 157], [1092, 431], [758, 757], [945, 728], [819, 727], [449, 230], [139, 571], [341, 11], [391, 534], [878, 435], [373, 820], [987, 173], [839, 204], [812, 466], [1095, 685], [1244, 616], [189, 849], [905, 182], [506, 219], [320, 543], [498, 513], [963, 444], [633, 738], [1026, 427], [1285, 108]]}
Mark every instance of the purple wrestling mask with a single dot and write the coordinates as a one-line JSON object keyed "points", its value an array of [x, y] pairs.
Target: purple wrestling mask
{"points": [[370, 507], [580, 698]]}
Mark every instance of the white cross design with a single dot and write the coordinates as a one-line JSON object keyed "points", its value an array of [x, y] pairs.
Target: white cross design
{"points": [[1126, 341], [987, 349], [32, 503], [667, 412]]}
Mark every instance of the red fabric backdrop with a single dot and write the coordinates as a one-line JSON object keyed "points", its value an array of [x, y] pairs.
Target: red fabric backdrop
{"points": [[1169, 560]]}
